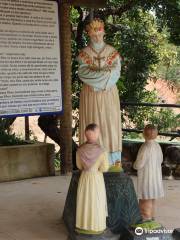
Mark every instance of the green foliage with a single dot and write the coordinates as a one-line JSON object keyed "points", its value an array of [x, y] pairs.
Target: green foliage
{"points": [[10, 139], [140, 31], [136, 37], [132, 135], [149, 225], [6, 138], [138, 115], [76, 84], [57, 162], [74, 15], [165, 119], [167, 13], [169, 65]]}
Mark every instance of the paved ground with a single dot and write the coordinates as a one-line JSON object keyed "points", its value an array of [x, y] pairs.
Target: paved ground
{"points": [[32, 209]]}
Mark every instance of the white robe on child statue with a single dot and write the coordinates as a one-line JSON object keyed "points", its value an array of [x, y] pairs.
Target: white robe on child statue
{"points": [[148, 165]]}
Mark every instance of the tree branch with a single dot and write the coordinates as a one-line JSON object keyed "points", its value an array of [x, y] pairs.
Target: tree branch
{"points": [[118, 11]]}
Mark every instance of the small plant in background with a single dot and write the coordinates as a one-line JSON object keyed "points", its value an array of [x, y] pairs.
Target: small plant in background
{"points": [[32, 136], [7, 139], [57, 161], [132, 135]]}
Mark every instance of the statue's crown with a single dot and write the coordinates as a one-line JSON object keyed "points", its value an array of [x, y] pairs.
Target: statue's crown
{"points": [[96, 25]]}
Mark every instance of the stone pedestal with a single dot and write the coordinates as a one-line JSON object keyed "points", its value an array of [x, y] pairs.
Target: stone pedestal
{"points": [[123, 209], [107, 235]]}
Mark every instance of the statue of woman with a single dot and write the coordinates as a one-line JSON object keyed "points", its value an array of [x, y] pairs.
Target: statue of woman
{"points": [[99, 70]]}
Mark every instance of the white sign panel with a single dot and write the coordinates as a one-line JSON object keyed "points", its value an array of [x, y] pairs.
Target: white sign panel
{"points": [[30, 76]]}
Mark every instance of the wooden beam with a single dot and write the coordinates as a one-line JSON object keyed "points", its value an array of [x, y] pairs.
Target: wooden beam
{"points": [[26, 128], [88, 3], [66, 118]]}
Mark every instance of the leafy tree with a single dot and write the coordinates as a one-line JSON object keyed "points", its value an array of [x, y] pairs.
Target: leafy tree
{"points": [[136, 37], [169, 66], [139, 42], [136, 29], [167, 13], [164, 119]]}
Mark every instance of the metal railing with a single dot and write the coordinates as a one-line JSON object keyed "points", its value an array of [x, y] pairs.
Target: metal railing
{"points": [[150, 104], [173, 134]]}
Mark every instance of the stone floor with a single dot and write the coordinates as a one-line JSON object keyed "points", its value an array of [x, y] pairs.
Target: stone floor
{"points": [[32, 209]]}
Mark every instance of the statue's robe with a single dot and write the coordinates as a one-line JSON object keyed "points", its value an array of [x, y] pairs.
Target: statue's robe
{"points": [[99, 98], [148, 165], [91, 208]]}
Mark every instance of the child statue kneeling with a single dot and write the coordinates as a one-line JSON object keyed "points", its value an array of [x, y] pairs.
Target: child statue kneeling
{"points": [[148, 165], [92, 160]]}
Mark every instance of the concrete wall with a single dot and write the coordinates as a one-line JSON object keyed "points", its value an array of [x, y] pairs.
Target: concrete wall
{"points": [[26, 161]]}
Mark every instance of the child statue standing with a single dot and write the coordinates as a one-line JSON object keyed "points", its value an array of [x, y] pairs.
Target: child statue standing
{"points": [[148, 165], [92, 160]]}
